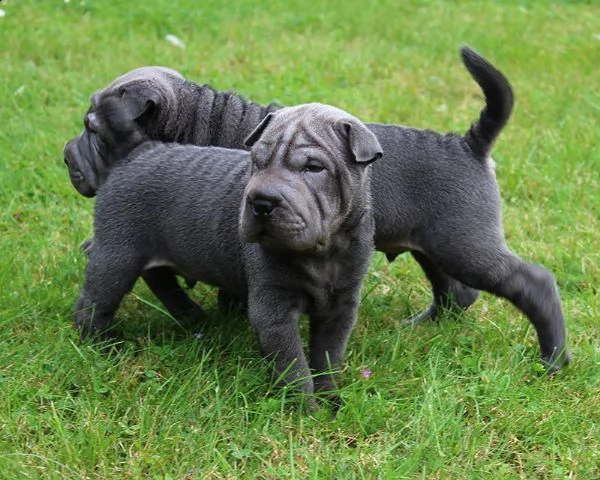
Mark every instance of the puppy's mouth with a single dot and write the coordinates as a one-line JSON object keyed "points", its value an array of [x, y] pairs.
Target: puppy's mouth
{"points": [[79, 182], [84, 163], [75, 175], [264, 238], [291, 238], [78, 179], [277, 226], [258, 233]]}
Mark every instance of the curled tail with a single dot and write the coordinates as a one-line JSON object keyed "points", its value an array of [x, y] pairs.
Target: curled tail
{"points": [[499, 100], [116, 126]]}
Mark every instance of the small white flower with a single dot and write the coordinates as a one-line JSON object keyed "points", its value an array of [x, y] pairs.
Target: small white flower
{"points": [[174, 40], [67, 1], [2, 13], [442, 108]]}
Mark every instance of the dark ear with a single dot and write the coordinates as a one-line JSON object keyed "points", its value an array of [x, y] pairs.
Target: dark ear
{"points": [[258, 131], [141, 103], [362, 142], [118, 129]]}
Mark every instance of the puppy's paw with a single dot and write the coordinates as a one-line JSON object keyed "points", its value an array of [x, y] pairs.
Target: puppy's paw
{"points": [[558, 360], [326, 393], [191, 317], [89, 321], [331, 401]]}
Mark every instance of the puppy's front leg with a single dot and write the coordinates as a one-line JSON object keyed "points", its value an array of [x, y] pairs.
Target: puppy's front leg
{"points": [[108, 278], [275, 315], [163, 283], [328, 338]]}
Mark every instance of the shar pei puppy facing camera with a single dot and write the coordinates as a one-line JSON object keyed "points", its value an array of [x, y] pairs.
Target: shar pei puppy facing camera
{"points": [[435, 195], [287, 227]]}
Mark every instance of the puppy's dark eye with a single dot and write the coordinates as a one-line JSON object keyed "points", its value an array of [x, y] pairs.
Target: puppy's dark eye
{"points": [[89, 122], [86, 124], [314, 167]]}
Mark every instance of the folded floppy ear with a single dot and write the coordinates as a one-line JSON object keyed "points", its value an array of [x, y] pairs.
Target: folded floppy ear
{"points": [[118, 128], [362, 142], [141, 103], [258, 131]]}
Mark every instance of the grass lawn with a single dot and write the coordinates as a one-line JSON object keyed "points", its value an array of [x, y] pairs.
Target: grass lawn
{"points": [[461, 398]]}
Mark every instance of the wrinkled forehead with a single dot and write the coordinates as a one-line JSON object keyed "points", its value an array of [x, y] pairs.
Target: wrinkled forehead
{"points": [[145, 73], [297, 133], [308, 124], [150, 75], [310, 114]]}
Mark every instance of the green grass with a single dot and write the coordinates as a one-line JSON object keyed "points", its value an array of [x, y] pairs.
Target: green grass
{"points": [[462, 398]]}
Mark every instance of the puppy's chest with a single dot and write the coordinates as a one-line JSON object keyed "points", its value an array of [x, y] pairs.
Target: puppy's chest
{"points": [[328, 283]]}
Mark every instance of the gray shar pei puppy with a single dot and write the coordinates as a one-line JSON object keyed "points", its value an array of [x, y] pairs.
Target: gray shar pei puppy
{"points": [[287, 226], [435, 195]]}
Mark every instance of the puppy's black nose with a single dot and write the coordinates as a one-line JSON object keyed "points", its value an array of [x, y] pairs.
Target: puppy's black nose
{"points": [[262, 207]]}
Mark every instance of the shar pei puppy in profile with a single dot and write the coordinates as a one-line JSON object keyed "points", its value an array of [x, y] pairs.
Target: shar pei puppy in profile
{"points": [[435, 195], [287, 228]]}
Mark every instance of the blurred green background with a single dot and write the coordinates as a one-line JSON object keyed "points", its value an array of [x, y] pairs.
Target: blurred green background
{"points": [[461, 398]]}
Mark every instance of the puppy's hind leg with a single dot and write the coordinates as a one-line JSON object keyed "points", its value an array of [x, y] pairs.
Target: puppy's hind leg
{"points": [[532, 289], [448, 293], [107, 281], [529, 287], [163, 283]]}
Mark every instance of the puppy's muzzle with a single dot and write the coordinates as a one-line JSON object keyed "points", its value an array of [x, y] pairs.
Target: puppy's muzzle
{"points": [[67, 154], [69, 158], [82, 174]]}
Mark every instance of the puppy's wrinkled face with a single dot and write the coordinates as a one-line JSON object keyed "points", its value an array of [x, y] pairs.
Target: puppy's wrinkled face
{"points": [[306, 175], [85, 157], [141, 90]]}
